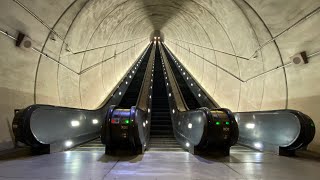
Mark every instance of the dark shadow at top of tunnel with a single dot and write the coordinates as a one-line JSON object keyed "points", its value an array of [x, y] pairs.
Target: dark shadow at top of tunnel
{"points": [[157, 18]]}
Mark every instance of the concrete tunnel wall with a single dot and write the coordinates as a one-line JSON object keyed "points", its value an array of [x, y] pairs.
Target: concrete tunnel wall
{"points": [[231, 47]]}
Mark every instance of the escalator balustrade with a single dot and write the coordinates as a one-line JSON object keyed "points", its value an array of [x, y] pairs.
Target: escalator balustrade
{"points": [[127, 126]]}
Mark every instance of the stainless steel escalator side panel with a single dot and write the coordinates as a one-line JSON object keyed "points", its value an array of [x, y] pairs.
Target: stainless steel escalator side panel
{"points": [[199, 93], [52, 128], [276, 131], [195, 130], [280, 131], [63, 123], [137, 135]]}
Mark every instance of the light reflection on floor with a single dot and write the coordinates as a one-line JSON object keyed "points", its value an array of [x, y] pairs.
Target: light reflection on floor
{"points": [[243, 163]]}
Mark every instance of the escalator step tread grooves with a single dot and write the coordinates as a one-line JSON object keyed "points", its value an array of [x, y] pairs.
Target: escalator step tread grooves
{"points": [[162, 137], [94, 145]]}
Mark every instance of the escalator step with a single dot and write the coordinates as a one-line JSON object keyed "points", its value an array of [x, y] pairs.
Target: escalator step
{"points": [[161, 131], [161, 113], [131, 95], [161, 126], [160, 117], [189, 97], [161, 123]]}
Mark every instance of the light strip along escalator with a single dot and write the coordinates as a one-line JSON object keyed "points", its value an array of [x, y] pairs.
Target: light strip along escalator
{"points": [[94, 145], [280, 131], [126, 126], [48, 129], [188, 96], [162, 137], [189, 87], [197, 129], [129, 99]]}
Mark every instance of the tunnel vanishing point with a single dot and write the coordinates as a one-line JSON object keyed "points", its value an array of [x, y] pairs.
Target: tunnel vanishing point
{"points": [[242, 55]]}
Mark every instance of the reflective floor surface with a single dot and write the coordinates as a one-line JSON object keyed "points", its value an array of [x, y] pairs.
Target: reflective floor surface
{"points": [[243, 163]]}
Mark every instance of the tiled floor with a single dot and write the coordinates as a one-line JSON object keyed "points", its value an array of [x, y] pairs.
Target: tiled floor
{"points": [[241, 164]]}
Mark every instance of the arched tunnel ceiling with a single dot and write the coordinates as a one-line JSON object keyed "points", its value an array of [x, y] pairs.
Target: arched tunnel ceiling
{"points": [[234, 48]]}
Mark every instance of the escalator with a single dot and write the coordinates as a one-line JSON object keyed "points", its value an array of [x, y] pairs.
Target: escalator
{"points": [[94, 145], [188, 97], [126, 128], [48, 129], [198, 126], [164, 111], [162, 137], [130, 98], [279, 131]]}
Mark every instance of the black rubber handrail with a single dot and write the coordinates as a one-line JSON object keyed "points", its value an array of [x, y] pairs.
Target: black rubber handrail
{"points": [[205, 100], [274, 125], [56, 128], [193, 128], [138, 130], [280, 131]]}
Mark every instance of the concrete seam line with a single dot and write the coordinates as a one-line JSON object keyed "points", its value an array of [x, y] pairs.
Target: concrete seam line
{"points": [[211, 63], [201, 26], [41, 21], [196, 34], [314, 54], [43, 48], [107, 45], [269, 71], [51, 58], [278, 50], [65, 37], [58, 62], [95, 65], [215, 50], [317, 10], [41, 53], [134, 47], [249, 79], [247, 17], [246, 9], [91, 36], [7, 34], [128, 71], [108, 39], [226, 33]]}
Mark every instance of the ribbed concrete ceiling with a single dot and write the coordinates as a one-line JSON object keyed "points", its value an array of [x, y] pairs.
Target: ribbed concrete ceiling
{"points": [[234, 48]]}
